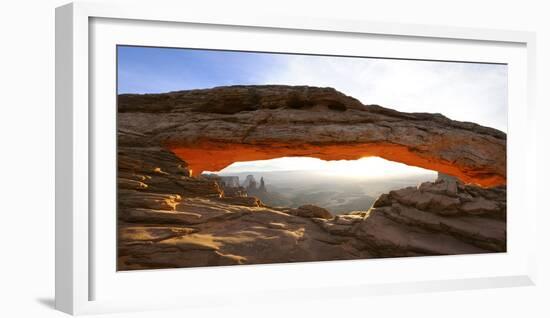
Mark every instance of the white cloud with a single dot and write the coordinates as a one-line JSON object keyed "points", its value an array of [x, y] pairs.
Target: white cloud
{"points": [[460, 91]]}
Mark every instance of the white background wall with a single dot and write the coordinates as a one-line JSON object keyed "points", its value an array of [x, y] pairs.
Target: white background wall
{"points": [[27, 158]]}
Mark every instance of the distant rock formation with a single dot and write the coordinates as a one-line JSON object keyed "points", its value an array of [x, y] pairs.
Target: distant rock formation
{"points": [[253, 189], [230, 181], [262, 188], [167, 218], [249, 182], [223, 181], [229, 184]]}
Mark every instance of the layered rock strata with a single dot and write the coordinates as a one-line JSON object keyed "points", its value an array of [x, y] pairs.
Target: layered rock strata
{"points": [[169, 218], [212, 128]]}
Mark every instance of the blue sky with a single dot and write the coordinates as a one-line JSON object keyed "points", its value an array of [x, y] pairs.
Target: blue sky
{"points": [[158, 70], [460, 91]]}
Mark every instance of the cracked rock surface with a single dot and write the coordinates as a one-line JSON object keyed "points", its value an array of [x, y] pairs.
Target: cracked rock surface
{"points": [[172, 220], [168, 218], [211, 128]]}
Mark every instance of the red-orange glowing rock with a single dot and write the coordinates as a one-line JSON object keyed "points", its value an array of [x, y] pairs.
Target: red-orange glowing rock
{"points": [[210, 156], [212, 128]]}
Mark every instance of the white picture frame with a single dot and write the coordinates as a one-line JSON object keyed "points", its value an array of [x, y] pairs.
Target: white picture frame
{"points": [[77, 253]]}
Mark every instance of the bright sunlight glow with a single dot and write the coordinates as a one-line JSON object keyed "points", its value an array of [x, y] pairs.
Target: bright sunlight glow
{"points": [[370, 167]]}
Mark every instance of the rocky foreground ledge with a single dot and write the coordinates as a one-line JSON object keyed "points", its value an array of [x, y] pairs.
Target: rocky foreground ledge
{"points": [[168, 218]]}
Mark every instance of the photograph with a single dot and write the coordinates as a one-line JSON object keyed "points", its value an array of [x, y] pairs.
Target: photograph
{"points": [[275, 159], [238, 157]]}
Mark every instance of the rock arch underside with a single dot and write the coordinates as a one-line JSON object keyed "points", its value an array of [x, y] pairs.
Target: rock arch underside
{"points": [[170, 216]]}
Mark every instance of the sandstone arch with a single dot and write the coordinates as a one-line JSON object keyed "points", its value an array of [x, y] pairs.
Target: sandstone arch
{"points": [[166, 218], [210, 129]]}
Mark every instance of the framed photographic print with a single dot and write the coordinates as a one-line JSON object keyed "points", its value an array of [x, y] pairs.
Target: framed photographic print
{"points": [[263, 156]]}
